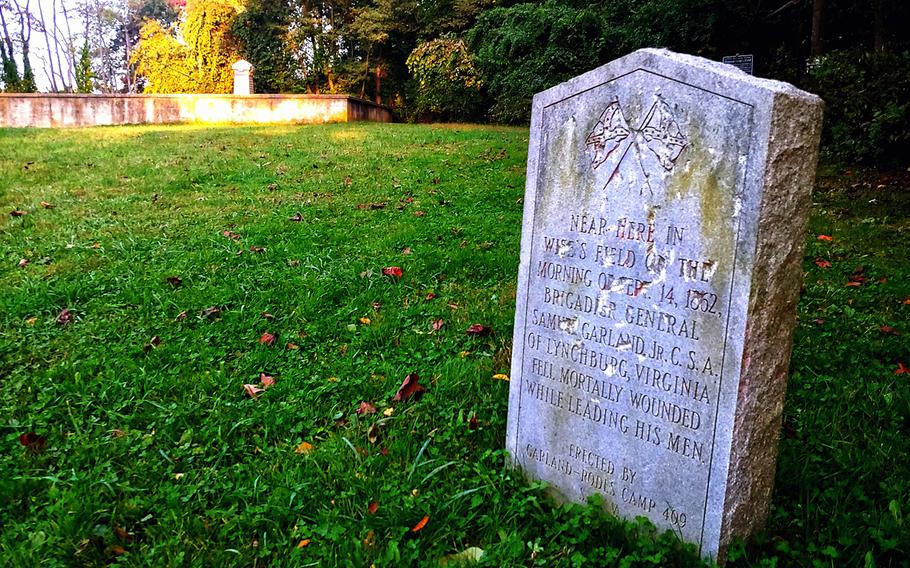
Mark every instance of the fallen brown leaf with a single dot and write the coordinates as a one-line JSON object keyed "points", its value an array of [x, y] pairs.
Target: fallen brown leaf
{"points": [[365, 408], [33, 442], [422, 523], [394, 271], [211, 312], [437, 324], [373, 507], [266, 380], [303, 448], [252, 390], [123, 534], [47, 205], [267, 339], [373, 434], [65, 317], [410, 388], [478, 330], [17, 213]]}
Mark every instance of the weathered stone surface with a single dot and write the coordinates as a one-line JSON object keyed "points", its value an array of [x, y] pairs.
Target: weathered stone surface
{"points": [[664, 224]]}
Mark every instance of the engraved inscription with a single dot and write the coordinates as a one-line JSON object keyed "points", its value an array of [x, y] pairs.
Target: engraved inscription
{"points": [[623, 343]]}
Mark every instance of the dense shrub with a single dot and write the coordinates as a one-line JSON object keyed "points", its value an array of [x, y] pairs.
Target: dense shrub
{"points": [[867, 112], [447, 85], [527, 48]]}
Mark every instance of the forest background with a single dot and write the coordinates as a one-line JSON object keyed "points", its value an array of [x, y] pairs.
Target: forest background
{"points": [[467, 60]]}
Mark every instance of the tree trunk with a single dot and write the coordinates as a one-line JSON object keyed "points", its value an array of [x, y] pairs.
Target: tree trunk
{"points": [[65, 74], [818, 28], [70, 45], [27, 83], [379, 84], [879, 26], [51, 72], [128, 47], [6, 39]]}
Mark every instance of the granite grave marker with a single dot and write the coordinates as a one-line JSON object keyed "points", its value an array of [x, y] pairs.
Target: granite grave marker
{"points": [[665, 214]]}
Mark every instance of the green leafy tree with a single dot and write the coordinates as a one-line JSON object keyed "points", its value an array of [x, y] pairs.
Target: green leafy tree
{"points": [[83, 70], [438, 18], [527, 48], [264, 37], [12, 80], [447, 84], [9, 72], [385, 30]]}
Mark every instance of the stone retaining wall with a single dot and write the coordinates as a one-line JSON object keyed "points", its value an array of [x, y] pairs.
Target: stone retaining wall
{"points": [[71, 110]]}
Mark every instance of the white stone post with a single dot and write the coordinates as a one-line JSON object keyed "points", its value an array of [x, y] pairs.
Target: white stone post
{"points": [[243, 77]]}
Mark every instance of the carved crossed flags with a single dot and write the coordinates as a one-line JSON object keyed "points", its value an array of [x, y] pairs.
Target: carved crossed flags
{"points": [[659, 134]]}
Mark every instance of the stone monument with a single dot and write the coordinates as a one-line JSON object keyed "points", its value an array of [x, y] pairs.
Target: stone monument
{"points": [[243, 77], [664, 222]]}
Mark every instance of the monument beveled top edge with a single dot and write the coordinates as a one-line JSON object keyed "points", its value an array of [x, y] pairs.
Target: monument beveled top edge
{"points": [[713, 76]]}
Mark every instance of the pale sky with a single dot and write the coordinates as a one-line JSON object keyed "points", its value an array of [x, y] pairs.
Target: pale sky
{"points": [[38, 52]]}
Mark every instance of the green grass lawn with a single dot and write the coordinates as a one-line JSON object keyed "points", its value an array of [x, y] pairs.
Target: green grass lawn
{"points": [[128, 436]]}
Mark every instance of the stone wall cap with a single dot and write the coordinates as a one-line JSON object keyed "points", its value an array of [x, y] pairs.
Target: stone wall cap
{"points": [[242, 65]]}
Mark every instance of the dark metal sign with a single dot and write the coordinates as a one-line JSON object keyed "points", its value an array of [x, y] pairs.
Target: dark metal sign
{"points": [[744, 62]]}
